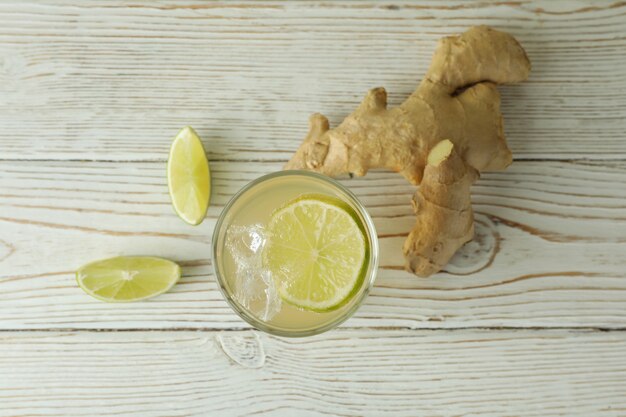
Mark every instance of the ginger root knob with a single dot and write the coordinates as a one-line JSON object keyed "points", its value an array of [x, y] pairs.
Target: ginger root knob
{"points": [[445, 220]]}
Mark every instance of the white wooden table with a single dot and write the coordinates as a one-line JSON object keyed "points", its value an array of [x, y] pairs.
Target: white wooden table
{"points": [[530, 320]]}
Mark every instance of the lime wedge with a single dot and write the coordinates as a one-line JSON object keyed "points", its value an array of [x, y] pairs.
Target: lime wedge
{"points": [[127, 278], [188, 177], [317, 252]]}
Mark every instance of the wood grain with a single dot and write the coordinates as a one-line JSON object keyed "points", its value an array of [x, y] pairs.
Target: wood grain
{"points": [[349, 373], [115, 80], [549, 249], [112, 82]]}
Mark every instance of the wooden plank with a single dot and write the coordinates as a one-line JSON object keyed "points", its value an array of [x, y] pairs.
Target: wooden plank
{"points": [[114, 80], [549, 250], [348, 373]]}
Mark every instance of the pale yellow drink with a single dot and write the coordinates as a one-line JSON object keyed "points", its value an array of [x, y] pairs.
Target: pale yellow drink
{"points": [[251, 210]]}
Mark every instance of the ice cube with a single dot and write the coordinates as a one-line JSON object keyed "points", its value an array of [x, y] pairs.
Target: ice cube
{"points": [[254, 287]]}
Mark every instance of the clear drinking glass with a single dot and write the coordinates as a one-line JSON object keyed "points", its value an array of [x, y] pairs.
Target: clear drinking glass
{"points": [[240, 278]]}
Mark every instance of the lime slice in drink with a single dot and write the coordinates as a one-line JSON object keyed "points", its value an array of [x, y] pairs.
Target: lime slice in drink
{"points": [[317, 252], [188, 177], [127, 278]]}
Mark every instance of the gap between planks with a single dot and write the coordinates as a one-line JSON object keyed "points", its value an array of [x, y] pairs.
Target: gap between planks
{"points": [[339, 329], [617, 158]]}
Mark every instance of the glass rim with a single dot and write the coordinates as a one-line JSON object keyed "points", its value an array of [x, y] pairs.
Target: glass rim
{"points": [[370, 274]]}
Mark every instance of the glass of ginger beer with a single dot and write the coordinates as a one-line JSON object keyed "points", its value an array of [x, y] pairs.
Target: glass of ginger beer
{"points": [[295, 253]]}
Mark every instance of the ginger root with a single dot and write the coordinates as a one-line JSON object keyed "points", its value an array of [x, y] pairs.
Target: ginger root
{"points": [[445, 220], [458, 101]]}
